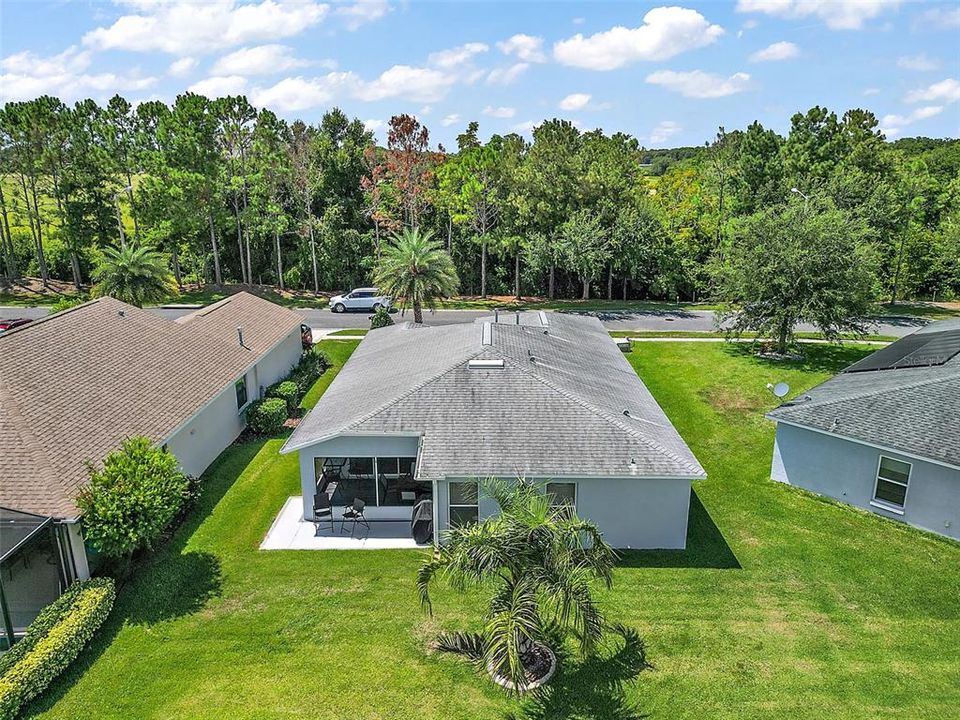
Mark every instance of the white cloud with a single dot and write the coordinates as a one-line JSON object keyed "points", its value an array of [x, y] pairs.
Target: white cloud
{"points": [[373, 125], [776, 51], [298, 93], [258, 60], [871, 91], [457, 56], [920, 63], [450, 119], [362, 12], [944, 91], [698, 84], [220, 86], [578, 21], [410, 83], [526, 47], [525, 127], [666, 31], [890, 125], [837, 14], [575, 101], [181, 27], [181, 67], [499, 112], [664, 130], [940, 18], [66, 75], [507, 75]]}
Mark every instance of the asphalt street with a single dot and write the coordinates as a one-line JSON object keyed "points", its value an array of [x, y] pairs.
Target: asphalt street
{"points": [[649, 320]]}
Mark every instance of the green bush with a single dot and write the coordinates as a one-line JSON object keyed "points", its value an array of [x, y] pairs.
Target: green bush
{"points": [[266, 417], [288, 391], [381, 318], [66, 302], [312, 365], [52, 642], [129, 503]]}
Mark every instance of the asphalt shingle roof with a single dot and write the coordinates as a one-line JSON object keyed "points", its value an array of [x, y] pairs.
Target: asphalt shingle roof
{"points": [[915, 410], [555, 408], [74, 385]]}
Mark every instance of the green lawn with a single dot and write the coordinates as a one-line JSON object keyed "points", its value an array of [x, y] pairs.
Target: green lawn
{"points": [[784, 605], [350, 331], [747, 335], [338, 351]]}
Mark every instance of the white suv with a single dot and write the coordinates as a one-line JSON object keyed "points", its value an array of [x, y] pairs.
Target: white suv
{"points": [[360, 299]]}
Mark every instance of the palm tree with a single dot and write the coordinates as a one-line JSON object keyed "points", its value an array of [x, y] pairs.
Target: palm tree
{"points": [[541, 561], [415, 269], [134, 274]]}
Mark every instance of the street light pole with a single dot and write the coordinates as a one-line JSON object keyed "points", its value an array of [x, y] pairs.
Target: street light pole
{"points": [[116, 202], [806, 200]]}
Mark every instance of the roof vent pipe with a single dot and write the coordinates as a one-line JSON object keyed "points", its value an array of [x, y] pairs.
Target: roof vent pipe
{"points": [[240, 336], [496, 315], [518, 317]]}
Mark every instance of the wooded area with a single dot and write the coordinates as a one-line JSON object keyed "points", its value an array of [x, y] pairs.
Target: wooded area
{"points": [[235, 194]]}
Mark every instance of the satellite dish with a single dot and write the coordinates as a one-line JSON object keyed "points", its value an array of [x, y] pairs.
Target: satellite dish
{"points": [[780, 389]]}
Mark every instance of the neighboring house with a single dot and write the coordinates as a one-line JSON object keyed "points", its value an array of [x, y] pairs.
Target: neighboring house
{"points": [[74, 385], [424, 412], [884, 434]]}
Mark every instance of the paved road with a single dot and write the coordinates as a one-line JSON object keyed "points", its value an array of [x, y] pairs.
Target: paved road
{"points": [[650, 320]]}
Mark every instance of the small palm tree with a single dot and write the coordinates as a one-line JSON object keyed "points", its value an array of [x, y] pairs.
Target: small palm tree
{"points": [[134, 274], [541, 561], [415, 269]]}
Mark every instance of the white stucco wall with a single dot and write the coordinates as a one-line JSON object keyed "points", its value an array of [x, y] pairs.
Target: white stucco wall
{"points": [[198, 443], [638, 513], [845, 470]]}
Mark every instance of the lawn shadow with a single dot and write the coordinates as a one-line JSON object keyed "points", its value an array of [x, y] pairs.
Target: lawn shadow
{"points": [[813, 357], [706, 546], [592, 687], [164, 585]]}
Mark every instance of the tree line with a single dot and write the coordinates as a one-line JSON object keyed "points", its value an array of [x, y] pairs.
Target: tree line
{"points": [[233, 194]]}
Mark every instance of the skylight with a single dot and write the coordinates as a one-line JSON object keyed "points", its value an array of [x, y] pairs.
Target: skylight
{"points": [[485, 363]]}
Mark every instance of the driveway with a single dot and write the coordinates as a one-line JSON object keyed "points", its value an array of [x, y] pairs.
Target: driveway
{"points": [[646, 320]]}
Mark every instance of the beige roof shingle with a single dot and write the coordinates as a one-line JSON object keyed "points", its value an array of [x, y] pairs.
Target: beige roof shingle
{"points": [[74, 385]]}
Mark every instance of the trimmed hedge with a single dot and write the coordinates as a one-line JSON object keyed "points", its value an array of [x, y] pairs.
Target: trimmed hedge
{"points": [[52, 642], [288, 391], [266, 417]]}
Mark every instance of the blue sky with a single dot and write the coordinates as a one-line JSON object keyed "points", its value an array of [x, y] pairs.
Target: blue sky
{"points": [[668, 75]]}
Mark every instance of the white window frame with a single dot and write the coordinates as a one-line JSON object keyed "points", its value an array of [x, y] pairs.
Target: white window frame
{"points": [[246, 388], [576, 490], [886, 504], [450, 503]]}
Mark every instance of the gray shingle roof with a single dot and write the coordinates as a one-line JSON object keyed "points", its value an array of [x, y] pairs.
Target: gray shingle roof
{"points": [[915, 410], [74, 385], [555, 408]]}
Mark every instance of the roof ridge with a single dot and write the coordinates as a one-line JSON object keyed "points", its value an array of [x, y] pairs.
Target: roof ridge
{"points": [[405, 394], [56, 315], [787, 407], [598, 412]]}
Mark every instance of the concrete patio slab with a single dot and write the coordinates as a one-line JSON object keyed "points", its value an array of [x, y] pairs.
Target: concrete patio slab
{"points": [[290, 532]]}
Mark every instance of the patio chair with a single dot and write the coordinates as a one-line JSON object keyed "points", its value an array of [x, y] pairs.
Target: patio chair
{"points": [[354, 513], [322, 512]]}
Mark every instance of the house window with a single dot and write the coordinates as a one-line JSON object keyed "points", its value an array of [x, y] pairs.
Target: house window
{"points": [[241, 387], [464, 503], [892, 479], [562, 494]]}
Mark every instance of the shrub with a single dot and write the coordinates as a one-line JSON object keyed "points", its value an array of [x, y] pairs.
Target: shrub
{"points": [[288, 391], [66, 302], [129, 503], [52, 642], [381, 318], [266, 417], [312, 365]]}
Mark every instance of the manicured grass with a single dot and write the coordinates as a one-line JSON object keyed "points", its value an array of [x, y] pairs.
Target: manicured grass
{"points": [[784, 605], [350, 331], [338, 351], [748, 335], [929, 310]]}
